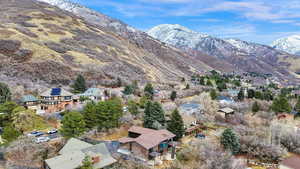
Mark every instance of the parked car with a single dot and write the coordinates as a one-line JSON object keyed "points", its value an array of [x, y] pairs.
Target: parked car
{"points": [[200, 136], [35, 134], [42, 139], [52, 131]]}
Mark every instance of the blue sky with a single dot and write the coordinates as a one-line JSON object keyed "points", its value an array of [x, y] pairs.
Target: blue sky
{"points": [[259, 21]]}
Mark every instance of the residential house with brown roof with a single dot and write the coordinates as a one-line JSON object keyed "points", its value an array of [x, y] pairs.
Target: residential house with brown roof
{"points": [[56, 100], [292, 162], [148, 144]]}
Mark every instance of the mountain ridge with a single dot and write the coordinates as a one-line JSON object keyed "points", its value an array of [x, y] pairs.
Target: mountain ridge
{"points": [[242, 55], [290, 44]]}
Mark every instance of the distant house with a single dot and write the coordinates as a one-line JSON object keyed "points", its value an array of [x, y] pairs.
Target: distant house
{"points": [[292, 162], [225, 100], [226, 112], [73, 153], [148, 144], [56, 100], [30, 102], [97, 94], [233, 93], [190, 124], [191, 108]]}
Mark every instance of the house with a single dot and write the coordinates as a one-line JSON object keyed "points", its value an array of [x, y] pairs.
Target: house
{"points": [[73, 153], [225, 100], [30, 102], [95, 94], [190, 124], [56, 100], [148, 144], [191, 108], [226, 112], [292, 162]]}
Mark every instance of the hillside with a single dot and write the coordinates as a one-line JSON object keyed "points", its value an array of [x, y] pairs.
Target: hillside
{"points": [[43, 44], [237, 54]]}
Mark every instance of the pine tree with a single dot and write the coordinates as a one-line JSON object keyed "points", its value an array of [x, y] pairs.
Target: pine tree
{"points": [[133, 107], [251, 93], [90, 115], [187, 86], [108, 113], [79, 85], [153, 113], [176, 125], [173, 95], [202, 81], [281, 105], [255, 107], [73, 125], [148, 118], [128, 90], [209, 83], [86, 163], [5, 94], [230, 141], [297, 106], [241, 95], [213, 94], [149, 91]]}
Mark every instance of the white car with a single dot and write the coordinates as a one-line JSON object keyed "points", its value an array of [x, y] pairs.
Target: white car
{"points": [[53, 131], [42, 139]]}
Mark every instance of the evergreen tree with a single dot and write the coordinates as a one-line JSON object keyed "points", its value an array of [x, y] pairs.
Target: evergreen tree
{"points": [[202, 81], [255, 107], [173, 95], [90, 115], [187, 86], [258, 95], [230, 141], [133, 107], [119, 82], [73, 124], [297, 106], [213, 94], [108, 113], [10, 134], [149, 91], [7, 110], [5, 94], [241, 95], [251, 93], [87, 163], [128, 90], [79, 85], [209, 83], [148, 118], [153, 113], [221, 86], [143, 101], [176, 125], [281, 105]]}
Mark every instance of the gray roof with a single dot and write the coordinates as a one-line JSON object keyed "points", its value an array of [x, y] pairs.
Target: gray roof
{"points": [[74, 144], [29, 98], [62, 93], [105, 158], [67, 161], [73, 153]]}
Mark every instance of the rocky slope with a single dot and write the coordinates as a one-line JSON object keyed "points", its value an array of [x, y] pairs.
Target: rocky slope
{"points": [[289, 44], [237, 54], [42, 44]]}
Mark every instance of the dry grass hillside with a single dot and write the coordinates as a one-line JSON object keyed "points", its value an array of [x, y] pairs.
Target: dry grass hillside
{"points": [[42, 44]]}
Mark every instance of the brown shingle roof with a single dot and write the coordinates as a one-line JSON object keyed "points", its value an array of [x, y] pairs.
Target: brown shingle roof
{"points": [[292, 162], [149, 138]]}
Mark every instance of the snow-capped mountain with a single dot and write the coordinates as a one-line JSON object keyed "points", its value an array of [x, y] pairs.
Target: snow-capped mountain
{"points": [[289, 44], [246, 56]]}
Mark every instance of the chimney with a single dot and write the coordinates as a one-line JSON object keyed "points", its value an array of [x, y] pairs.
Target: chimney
{"points": [[95, 159]]}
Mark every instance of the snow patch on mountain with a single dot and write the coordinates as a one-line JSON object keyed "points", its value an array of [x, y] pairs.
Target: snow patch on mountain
{"points": [[176, 35], [289, 44]]}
